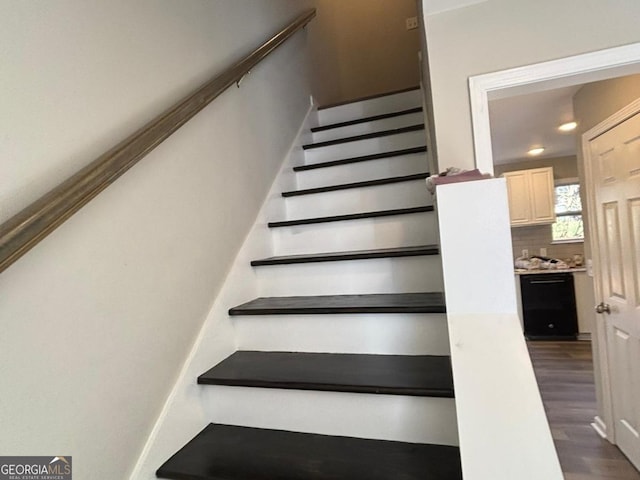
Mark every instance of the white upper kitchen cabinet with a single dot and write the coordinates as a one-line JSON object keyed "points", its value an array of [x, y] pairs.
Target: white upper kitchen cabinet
{"points": [[531, 196]]}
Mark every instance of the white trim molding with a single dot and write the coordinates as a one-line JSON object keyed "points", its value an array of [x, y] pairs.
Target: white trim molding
{"points": [[615, 119], [540, 76], [599, 426]]}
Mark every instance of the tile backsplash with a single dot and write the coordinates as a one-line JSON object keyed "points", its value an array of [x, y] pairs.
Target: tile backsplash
{"points": [[534, 237]]}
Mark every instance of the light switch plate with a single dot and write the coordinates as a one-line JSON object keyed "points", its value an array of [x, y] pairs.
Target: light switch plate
{"points": [[525, 253], [543, 252]]}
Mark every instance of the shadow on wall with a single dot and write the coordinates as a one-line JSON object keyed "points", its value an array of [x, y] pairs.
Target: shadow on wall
{"points": [[362, 48]]}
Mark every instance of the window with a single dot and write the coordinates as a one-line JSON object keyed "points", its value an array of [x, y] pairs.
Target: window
{"points": [[568, 226]]}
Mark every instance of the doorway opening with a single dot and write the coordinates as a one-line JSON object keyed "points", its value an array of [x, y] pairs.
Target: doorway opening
{"points": [[567, 75]]}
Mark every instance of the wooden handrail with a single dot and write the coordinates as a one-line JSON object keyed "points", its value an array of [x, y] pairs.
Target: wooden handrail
{"points": [[24, 230]]}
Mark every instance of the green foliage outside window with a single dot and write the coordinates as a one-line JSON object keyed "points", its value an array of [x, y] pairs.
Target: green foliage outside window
{"points": [[568, 225]]}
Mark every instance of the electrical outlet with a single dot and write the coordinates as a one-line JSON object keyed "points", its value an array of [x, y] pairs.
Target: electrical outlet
{"points": [[543, 252], [412, 23], [525, 253]]}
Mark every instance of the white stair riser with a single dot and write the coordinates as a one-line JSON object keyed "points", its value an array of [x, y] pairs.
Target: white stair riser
{"points": [[385, 417], [368, 146], [367, 170], [367, 108], [382, 275], [382, 334], [341, 202], [369, 127], [380, 232]]}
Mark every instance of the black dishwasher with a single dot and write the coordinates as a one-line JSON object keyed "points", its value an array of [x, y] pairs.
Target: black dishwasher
{"points": [[549, 306]]}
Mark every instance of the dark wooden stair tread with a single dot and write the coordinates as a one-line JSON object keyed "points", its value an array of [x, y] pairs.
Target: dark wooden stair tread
{"points": [[351, 216], [363, 158], [372, 118], [365, 136], [425, 302], [417, 375], [352, 255], [367, 183], [226, 452]]}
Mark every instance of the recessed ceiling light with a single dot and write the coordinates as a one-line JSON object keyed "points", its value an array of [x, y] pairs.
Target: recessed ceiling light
{"points": [[568, 127], [536, 151]]}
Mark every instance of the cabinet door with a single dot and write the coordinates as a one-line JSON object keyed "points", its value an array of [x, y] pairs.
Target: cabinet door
{"points": [[518, 191], [542, 196]]}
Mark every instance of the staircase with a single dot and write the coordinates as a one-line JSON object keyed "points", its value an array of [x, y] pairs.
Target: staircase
{"points": [[347, 351]]}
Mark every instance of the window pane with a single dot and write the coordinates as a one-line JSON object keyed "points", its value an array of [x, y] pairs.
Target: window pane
{"points": [[568, 227], [568, 198]]}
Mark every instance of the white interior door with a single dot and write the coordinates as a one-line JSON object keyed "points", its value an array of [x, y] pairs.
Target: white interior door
{"points": [[615, 166]]}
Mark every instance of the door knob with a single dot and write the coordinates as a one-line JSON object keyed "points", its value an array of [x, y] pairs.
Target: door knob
{"points": [[603, 308]]}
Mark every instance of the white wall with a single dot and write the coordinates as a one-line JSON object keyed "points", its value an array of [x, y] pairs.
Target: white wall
{"points": [[425, 83], [501, 420], [500, 34], [597, 101], [98, 318], [190, 407]]}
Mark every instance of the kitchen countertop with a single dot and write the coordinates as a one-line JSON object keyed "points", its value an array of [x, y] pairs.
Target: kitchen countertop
{"points": [[550, 270]]}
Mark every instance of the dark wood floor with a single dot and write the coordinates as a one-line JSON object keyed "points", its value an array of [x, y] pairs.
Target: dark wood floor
{"points": [[565, 376]]}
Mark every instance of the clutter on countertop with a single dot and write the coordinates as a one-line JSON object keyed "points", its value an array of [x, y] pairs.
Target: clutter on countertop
{"points": [[543, 272], [454, 175], [540, 264], [536, 262]]}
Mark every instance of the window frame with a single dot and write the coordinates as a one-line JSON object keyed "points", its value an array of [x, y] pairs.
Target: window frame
{"points": [[559, 183]]}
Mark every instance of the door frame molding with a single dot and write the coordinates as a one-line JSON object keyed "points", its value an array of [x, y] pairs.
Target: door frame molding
{"points": [[573, 70], [548, 75], [607, 426]]}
